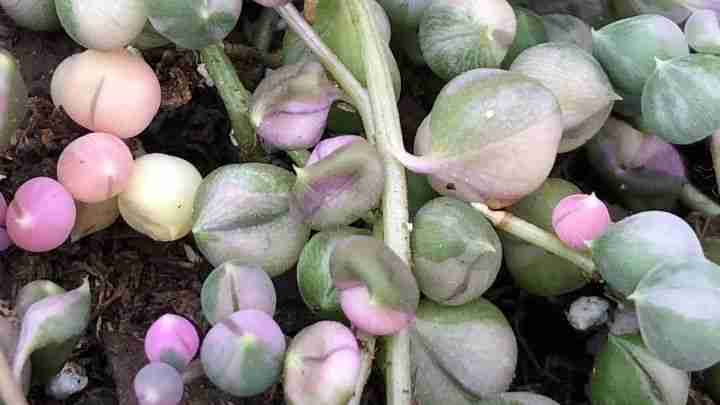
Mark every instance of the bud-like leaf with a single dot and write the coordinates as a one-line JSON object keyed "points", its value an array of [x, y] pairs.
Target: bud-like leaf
{"points": [[693, 82], [702, 30], [677, 306], [290, 106], [460, 354], [628, 50], [629, 249], [627, 373], [456, 251], [313, 272], [378, 292], [243, 212], [341, 186], [322, 365], [505, 152], [534, 269], [243, 354], [173, 340], [102, 25], [158, 384], [580, 218], [36, 15], [673, 10], [9, 333], [33, 292], [194, 24], [13, 97], [568, 28], [52, 321], [578, 81], [234, 286]]}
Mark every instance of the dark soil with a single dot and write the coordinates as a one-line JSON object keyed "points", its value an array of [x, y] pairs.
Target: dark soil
{"points": [[135, 280]]}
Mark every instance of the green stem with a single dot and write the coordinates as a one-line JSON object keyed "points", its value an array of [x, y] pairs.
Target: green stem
{"points": [[539, 237], [698, 201], [386, 120], [264, 29], [299, 157], [10, 391], [236, 99], [340, 72]]}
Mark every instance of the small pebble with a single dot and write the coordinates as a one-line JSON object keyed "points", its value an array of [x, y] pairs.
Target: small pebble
{"points": [[70, 380], [587, 312]]}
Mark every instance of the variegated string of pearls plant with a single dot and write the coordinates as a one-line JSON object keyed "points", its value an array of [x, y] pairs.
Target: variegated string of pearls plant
{"points": [[559, 83]]}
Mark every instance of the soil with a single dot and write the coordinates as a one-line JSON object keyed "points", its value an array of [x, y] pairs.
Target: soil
{"points": [[135, 280]]}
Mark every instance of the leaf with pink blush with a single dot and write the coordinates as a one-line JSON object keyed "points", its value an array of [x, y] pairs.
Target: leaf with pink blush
{"points": [[95, 167], [172, 339], [13, 97], [158, 384], [51, 321], [342, 186], [41, 216], [378, 292], [579, 219], [5, 241]]}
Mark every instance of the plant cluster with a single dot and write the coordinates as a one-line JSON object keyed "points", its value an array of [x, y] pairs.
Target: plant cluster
{"points": [[393, 243]]}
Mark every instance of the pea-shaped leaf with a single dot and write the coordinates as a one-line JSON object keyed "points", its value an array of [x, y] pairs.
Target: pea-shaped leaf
{"points": [[194, 24], [52, 321], [36, 15], [460, 354], [578, 81], [102, 25], [568, 28], [158, 384], [530, 31], [456, 252], [458, 36], [533, 269], [9, 333], [702, 30], [627, 373], [234, 286], [313, 272], [33, 292], [243, 354], [13, 97], [629, 249], [341, 186], [680, 101], [628, 50], [672, 9], [505, 152], [243, 212], [322, 365], [678, 307]]}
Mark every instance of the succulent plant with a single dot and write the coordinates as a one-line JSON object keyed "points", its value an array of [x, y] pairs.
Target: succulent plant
{"points": [[530, 31], [501, 155], [13, 97], [243, 212], [456, 252], [580, 218], [578, 81], [158, 384], [149, 38], [41, 215], [461, 354], [679, 103], [91, 218], [9, 334], [568, 28], [631, 248], [158, 200], [34, 292], [102, 25], [342, 181], [272, 3], [313, 272], [627, 373], [518, 398], [95, 167], [322, 365], [405, 18], [234, 286], [671, 9], [173, 340], [458, 36], [702, 31], [377, 290], [36, 15], [532, 268], [290, 106], [643, 170], [676, 306], [112, 92], [629, 49], [193, 24], [243, 354]]}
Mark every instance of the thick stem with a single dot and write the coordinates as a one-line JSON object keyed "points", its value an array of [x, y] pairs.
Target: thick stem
{"points": [[530, 233], [340, 73], [10, 391], [265, 28], [386, 121], [698, 201], [236, 98]]}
